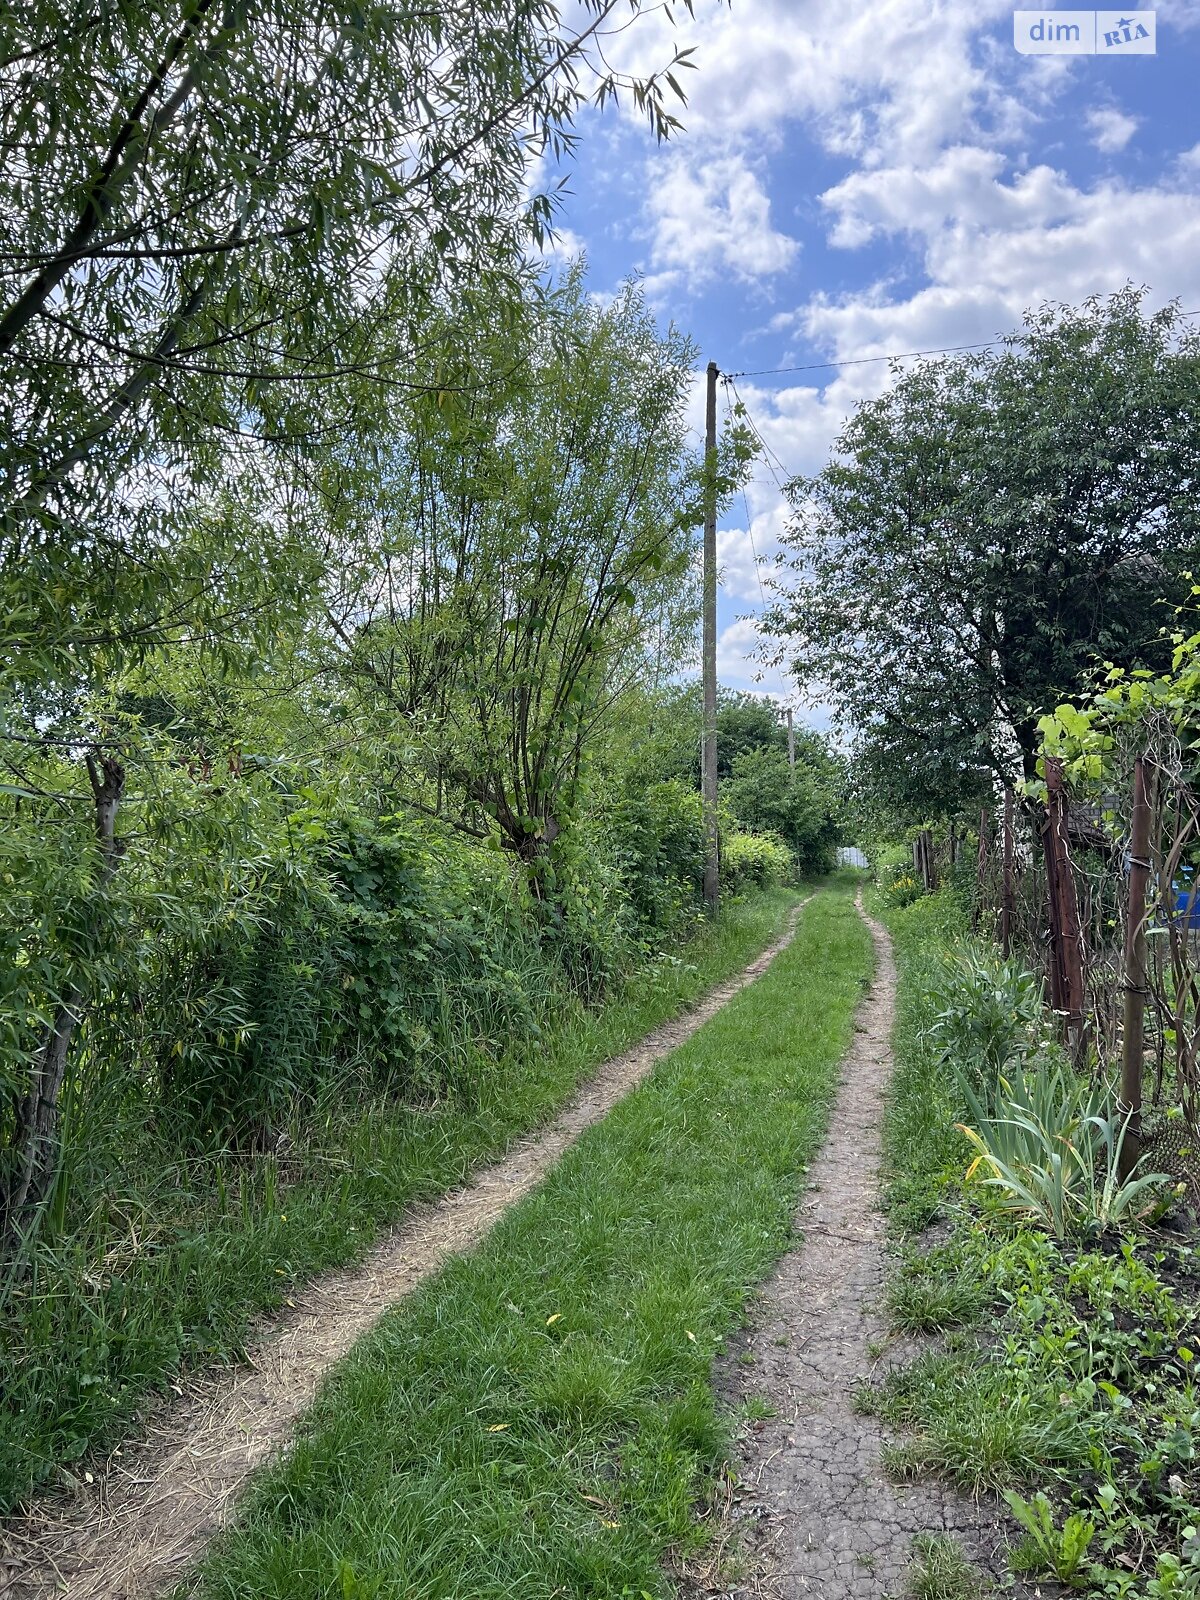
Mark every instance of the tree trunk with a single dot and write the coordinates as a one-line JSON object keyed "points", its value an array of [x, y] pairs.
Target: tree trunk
{"points": [[1007, 892], [980, 871], [35, 1146]]}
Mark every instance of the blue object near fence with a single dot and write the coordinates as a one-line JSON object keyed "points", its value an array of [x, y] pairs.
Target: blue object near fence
{"points": [[1187, 904]]}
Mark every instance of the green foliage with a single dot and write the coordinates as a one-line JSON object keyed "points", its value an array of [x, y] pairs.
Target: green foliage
{"points": [[989, 529], [1130, 711], [1049, 1152], [987, 1015], [659, 845], [1048, 1548], [754, 860], [536, 561], [767, 795], [161, 1251], [1079, 1386], [245, 218]]}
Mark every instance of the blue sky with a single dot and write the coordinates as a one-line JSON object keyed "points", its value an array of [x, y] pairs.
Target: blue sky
{"points": [[860, 178]]}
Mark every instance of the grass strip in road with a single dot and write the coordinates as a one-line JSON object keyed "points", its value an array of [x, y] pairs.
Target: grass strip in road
{"points": [[538, 1420], [202, 1249]]}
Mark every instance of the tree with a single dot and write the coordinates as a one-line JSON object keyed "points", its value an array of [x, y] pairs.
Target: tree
{"points": [[536, 545], [798, 803], [217, 218], [991, 529], [232, 233]]}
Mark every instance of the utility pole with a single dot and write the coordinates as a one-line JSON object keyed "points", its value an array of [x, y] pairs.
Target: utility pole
{"points": [[791, 739], [709, 653]]}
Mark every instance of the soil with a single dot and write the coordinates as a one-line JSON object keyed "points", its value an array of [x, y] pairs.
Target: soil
{"points": [[156, 1503], [812, 1511]]}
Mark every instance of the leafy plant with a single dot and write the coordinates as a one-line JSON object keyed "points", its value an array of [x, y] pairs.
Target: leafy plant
{"points": [[1051, 1151], [1046, 1547], [986, 1014]]}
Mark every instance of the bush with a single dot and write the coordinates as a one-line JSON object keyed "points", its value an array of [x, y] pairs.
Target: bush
{"points": [[657, 841], [987, 1013], [761, 860]]}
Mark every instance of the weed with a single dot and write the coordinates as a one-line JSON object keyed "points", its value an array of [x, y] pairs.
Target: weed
{"points": [[758, 1409], [1047, 1547], [940, 1571], [923, 1297]]}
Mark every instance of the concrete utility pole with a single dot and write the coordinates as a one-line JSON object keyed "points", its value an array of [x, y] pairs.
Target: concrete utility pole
{"points": [[791, 739], [709, 661]]}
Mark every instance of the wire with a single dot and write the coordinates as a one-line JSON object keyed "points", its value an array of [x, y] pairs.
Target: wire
{"points": [[769, 456], [862, 361], [895, 355]]}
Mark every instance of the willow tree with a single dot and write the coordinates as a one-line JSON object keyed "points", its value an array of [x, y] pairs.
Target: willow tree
{"points": [[223, 226], [535, 546], [212, 209]]}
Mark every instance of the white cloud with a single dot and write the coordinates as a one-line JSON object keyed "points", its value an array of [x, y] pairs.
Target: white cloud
{"points": [[711, 216], [736, 647], [1111, 129], [736, 567], [871, 76], [746, 556]]}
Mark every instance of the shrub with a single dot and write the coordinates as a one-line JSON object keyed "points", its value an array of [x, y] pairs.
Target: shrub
{"points": [[657, 841], [761, 859], [986, 1014]]}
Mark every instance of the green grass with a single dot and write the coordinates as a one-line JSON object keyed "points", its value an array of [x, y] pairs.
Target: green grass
{"points": [[180, 1255], [923, 1154], [1068, 1368], [928, 1294], [538, 1420], [940, 1570]]}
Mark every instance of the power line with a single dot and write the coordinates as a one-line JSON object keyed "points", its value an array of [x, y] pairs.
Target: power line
{"points": [[894, 355], [862, 361], [769, 456]]}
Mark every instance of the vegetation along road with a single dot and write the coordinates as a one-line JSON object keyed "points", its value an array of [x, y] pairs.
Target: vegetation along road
{"points": [[545, 1397]]}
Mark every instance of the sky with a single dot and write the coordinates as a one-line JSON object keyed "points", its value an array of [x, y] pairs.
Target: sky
{"points": [[857, 179]]}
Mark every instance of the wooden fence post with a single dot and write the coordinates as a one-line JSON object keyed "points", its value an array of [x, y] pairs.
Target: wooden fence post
{"points": [[980, 870], [1066, 967], [1133, 1042], [1006, 893]]}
